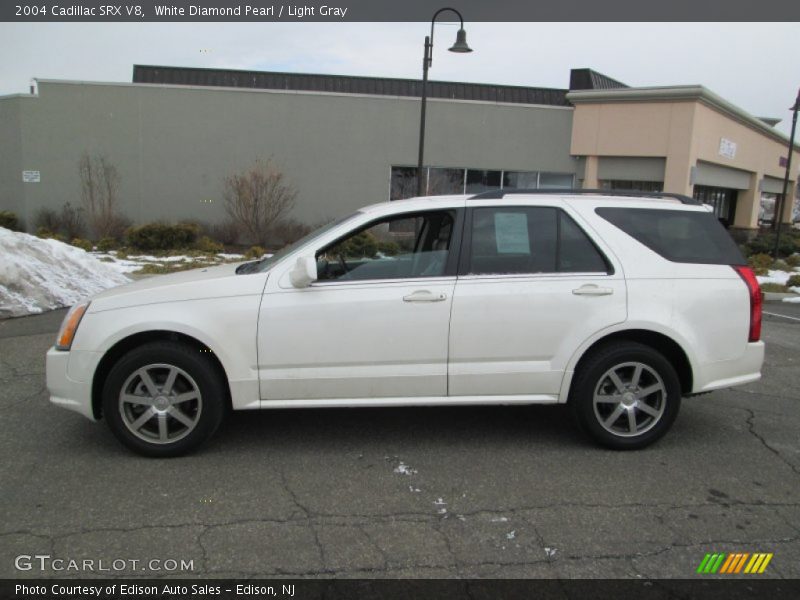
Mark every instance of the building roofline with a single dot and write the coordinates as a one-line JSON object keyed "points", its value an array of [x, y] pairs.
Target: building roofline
{"points": [[348, 84], [352, 77], [217, 88], [680, 93]]}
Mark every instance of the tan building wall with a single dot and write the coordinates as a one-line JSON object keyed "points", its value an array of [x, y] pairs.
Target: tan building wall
{"points": [[685, 126]]}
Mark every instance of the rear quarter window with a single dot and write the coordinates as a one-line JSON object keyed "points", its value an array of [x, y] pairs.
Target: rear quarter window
{"points": [[677, 235]]}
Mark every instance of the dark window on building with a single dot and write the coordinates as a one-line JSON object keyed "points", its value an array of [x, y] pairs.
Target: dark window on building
{"points": [[523, 180], [443, 181], [722, 199], [403, 183], [482, 181], [677, 235], [559, 181], [517, 240], [630, 185]]}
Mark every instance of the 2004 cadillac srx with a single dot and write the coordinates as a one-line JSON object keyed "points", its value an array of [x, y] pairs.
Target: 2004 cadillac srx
{"points": [[617, 305]]}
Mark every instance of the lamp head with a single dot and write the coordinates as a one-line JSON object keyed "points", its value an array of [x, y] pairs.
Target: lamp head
{"points": [[461, 43]]}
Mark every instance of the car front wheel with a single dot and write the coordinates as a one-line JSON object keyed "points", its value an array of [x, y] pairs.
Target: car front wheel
{"points": [[163, 399], [626, 395]]}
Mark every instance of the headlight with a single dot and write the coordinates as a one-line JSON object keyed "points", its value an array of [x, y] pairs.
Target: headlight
{"points": [[70, 325]]}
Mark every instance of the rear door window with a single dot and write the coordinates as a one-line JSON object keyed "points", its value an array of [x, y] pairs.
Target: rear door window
{"points": [[520, 240], [677, 235]]}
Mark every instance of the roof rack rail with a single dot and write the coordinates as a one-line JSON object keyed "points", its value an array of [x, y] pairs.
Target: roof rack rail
{"points": [[499, 194]]}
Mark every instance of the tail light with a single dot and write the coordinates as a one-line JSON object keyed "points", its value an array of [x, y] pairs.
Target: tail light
{"points": [[756, 300]]}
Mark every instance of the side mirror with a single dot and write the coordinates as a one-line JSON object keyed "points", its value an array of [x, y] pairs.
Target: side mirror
{"points": [[304, 272]]}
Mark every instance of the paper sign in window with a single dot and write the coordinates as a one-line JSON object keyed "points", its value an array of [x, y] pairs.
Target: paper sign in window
{"points": [[511, 233]]}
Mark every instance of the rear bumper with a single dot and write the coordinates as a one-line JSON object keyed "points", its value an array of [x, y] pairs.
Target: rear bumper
{"points": [[64, 391], [729, 373]]}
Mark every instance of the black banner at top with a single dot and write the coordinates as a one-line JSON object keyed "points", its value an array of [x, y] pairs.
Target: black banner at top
{"points": [[397, 10]]}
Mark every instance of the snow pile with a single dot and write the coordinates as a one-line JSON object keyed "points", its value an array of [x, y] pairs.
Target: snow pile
{"points": [[780, 277], [38, 275]]}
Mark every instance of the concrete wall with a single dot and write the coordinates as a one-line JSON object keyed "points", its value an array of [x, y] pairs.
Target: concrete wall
{"points": [[174, 145], [11, 192]]}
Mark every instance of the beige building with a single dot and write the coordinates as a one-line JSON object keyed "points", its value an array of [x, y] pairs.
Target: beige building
{"points": [[684, 140]]}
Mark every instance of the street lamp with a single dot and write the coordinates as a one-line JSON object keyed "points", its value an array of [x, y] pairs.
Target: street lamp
{"points": [[461, 47], [780, 204]]}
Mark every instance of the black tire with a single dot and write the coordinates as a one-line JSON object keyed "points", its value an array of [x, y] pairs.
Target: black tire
{"points": [[191, 409], [653, 413]]}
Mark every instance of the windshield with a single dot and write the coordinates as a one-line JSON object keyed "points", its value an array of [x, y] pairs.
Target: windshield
{"points": [[266, 263]]}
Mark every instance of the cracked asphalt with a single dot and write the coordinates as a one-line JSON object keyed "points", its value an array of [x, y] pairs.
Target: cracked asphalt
{"points": [[500, 492]]}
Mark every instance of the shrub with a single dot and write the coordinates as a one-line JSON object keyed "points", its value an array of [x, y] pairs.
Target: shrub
{"points": [[255, 252], [68, 221], [774, 287], [82, 243], [206, 244], [45, 233], [793, 281], [389, 248], [106, 244], [258, 198], [226, 232], [361, 245], [46, 219], [780, 265], [71, 222], [100, 182], [9, 220], [764, 243], [793, 260], [154, 269], [289, 231], [162, 236], [760, 261]]}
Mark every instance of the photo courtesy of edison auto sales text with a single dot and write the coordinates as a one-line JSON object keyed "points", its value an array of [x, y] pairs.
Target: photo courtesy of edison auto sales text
{"points": [[125, 589]]}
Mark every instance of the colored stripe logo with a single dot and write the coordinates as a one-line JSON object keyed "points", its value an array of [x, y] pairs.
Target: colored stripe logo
{"points": [[734, 563]]}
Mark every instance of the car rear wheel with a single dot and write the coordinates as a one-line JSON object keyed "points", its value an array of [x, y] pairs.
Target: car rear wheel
{"points": [[164, 399], [626, 395]]}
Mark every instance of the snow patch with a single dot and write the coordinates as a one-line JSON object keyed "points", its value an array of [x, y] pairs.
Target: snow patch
{"points": [[499, 519], [511, 534], [44, 274], [780, 277], [550, 552], [792, 300]]}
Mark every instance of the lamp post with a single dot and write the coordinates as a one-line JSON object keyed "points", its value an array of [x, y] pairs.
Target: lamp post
{"points": [[779, 205], [460, 46]]}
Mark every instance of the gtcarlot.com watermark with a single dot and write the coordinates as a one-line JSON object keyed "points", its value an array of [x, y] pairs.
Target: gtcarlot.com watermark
{"points": [[46, 562]]}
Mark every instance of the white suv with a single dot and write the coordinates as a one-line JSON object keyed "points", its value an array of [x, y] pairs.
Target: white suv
{"points": [[617, 305]]}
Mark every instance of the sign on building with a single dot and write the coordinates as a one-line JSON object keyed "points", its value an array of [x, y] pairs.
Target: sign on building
{"points": [[31, 176], [727, 148]]}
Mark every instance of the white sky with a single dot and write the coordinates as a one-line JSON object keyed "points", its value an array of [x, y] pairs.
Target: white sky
{"points": [[753, 65]]}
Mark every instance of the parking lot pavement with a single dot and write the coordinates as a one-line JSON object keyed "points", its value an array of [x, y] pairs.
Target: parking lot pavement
{"points": [[466, 492]]}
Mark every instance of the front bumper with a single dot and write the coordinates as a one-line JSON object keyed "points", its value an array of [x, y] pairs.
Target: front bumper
{"points": [[64, 391]]}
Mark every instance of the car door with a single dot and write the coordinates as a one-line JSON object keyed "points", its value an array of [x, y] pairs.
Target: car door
{"points": [[532, 286], [375, 324]]}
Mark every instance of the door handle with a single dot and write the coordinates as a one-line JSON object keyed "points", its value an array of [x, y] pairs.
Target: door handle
{"points": [[592, 290], [424, 296]]}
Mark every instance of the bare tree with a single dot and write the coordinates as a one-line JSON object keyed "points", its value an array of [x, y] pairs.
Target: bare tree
{"points": [[258, 198], [100, 193]]}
